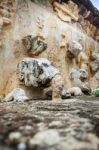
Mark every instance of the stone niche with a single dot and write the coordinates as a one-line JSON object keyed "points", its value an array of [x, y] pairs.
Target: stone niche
{"points": [[40, 33]]}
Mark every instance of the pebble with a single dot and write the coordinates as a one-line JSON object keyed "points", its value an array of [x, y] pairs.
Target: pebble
{"points": [[56, 124], [41, 126], [21, 146], [15, 137], [75, 91], [45, 138], [27, 130]]}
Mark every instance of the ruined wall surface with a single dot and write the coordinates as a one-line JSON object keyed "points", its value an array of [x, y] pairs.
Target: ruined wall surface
{"points": [[49, 21]]}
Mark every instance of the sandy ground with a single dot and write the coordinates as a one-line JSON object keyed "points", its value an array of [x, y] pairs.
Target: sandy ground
{"points": [[75, 120]]}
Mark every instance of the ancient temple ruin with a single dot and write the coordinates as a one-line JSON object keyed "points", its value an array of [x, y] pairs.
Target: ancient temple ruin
{"points": [[49, 75], [64, 32]]}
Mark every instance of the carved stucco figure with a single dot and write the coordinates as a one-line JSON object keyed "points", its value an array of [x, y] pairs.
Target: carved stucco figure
{"points": [[64, 12], [75, 51], [79, 78], [40, 73], [74, 48], [33, 45], [95, 64]]}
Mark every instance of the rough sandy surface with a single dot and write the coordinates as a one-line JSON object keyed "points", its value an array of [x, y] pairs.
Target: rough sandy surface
{"points": [[72, 124]]}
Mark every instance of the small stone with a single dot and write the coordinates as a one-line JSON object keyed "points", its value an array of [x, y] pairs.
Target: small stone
{"points": [[56, 124], [27, 130], [75, 91], [21, 146], [15, 137], [45, 138], [42, 126], [65, 95], [17, 94], [27, 127]]}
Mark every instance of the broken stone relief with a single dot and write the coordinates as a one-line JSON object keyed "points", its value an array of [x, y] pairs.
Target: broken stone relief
{"points": [[94, 65], [33, 45], [40, 70], [79, 78], [74, 49], [40, 73], [64, 12], [68, 11]]}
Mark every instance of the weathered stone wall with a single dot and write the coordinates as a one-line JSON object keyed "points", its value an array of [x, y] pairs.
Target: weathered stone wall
{"points": [[22, 18]]}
